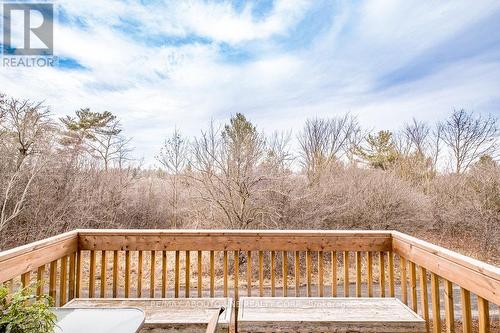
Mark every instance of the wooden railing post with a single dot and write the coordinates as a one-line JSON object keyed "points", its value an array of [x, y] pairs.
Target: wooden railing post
{"points": [[62, 281], [320, 273], [391, 274], [103, 274], [404, 280], [382, 274], [466, 310], [484, 315], [187, 276], [358, 274], [369, 273], [346, 273], [285, 273], [424, 298], [436, 309], [200, 274], [334, 273], [273, 278], [297, 273], [236, 274], [152, 275], [309, 273], [72, 273], [249, 273], [116, 269], [448, 306]]}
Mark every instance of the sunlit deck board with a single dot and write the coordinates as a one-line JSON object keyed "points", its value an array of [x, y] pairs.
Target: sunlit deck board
{"points": [[380, 315], [169, 314]]}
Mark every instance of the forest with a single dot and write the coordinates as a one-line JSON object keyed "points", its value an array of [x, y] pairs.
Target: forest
{"points": [[439, 182]]}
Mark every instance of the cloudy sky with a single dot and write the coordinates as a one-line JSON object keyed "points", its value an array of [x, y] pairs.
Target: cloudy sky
{"points": [[165, 64]]}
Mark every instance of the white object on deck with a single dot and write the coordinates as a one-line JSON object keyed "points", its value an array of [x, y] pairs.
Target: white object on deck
{"points": [[109, 320]]}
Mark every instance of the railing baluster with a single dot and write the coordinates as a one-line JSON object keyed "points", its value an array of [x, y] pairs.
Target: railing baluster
{"points": [[39, 278], [369, 273], [25, 279], [236, 273], [358, 274], [334, 273], [212, 274], [391, 273], [448, 307], [103, 274], [273, 281], [78, 281], [200, 274], [466, 310], [225, 274], [297, 273], [164, 274], [484, 315], [177, 273], [71, 288], [320, 273], [413, 286], [187, 277], [10, 285], [92, 274], [53, 279], [152, 274], [127, 273], [424, 298], [346, 273], [436, 309], [249, 273], [381, 280], [404, 288], [139, 274], [285, 273], [309, 272], [261, 273], [115, 273], [62, 281]]}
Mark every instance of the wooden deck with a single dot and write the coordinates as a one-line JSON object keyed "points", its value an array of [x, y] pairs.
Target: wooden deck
{"points": [[319, 314], [232, 263]]}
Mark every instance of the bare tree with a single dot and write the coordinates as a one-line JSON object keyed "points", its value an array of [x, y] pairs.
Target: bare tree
{"points": [[123, 150], [279, 156], [436, 145], [173, 157], [469, 137], [107, 143], [226, 166], [323, 141], [3, 102], [417, 133], [26, 122], [16, 191], [26, 127]]}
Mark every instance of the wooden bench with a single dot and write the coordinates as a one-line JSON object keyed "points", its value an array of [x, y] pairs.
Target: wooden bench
{"points": [[278, 314], [166, 315]]}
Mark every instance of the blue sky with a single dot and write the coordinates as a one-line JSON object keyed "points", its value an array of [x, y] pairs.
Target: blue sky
{"points": [[165, 64]]}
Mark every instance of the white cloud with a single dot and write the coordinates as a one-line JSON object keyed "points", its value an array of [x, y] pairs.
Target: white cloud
{"points": [[162, 86]]}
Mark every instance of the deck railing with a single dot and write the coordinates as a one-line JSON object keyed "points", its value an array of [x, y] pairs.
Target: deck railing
{"points": [[193, 263]]}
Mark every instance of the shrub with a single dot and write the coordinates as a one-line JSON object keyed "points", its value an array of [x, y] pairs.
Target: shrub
{"points": [[23, 312]]}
